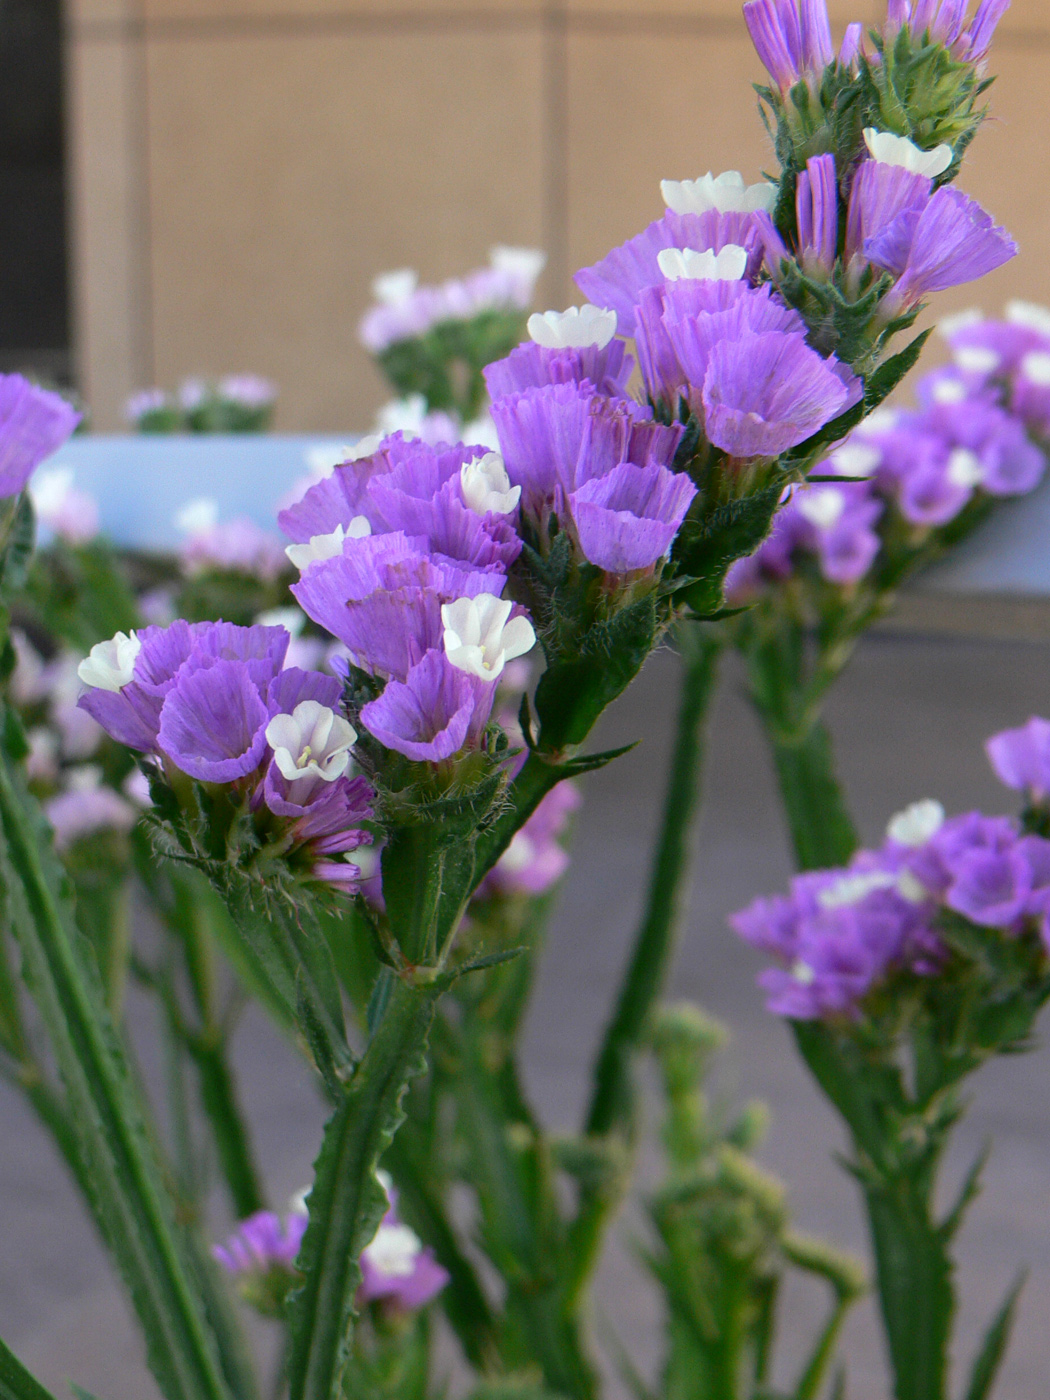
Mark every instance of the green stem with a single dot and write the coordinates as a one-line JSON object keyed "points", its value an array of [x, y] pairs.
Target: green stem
{"points": [[133, 1209], [822, 831], [611, 1102], [219, 1099]]}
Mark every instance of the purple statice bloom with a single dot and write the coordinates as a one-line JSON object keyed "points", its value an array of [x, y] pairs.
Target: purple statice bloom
{"points": [[880, 194], [817, 208], [679, 324], [34, 423], [86, 807], [619, 279], [213, 723], [791, 37], [410, 487], [992, 888], [248, 390], [535, 859], [239, 545], [951, 241], [397, 1270], [628, 519], [144, 402], [1009, 463], [765, 393], [1021, 758], [996, 347], [531, 366], [382, 599], [555, 438], [835, 523], [1030, 391], [433, 713], [934, 864], [262, 1242], [946, 23], [132, 714]]}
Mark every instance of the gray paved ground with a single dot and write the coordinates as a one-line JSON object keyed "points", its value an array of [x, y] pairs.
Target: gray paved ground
{"points": [[910, 718]]}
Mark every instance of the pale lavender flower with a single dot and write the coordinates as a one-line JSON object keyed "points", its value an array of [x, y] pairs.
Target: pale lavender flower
{"points": [[237, 545], [262, 1241], [69, 513], [248, 390], [535, 859], [87, 806], [620, 278], [34, 423], [627, 519], [433, 713], [792, 38], [1021, 758], [144, 402]]}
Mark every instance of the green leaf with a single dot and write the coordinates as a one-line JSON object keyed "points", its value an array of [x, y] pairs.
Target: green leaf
{"points": [[162, 1264], [880, 384], [16, 545], [996, 1339], [16, 1383], [706, 548], [346, 1201]]}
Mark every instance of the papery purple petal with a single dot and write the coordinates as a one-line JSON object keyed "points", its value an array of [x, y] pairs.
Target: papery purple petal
{"points": [[213, 723], [429, 715], [532, 366], [34, 423], [628, 518], [1021, 757]]}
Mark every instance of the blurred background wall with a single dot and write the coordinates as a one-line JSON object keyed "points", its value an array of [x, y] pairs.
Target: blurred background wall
{"points": [[237, 171]]}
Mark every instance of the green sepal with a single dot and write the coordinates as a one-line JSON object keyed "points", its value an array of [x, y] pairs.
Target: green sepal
{"points": [[17, 539], [996, 1339], [574, 690], [705, 548], [882, 381]]}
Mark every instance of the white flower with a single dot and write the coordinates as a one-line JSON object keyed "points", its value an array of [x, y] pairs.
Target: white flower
{"points": [[964, 468], [852, 888], [948, 391], [292, 619], [297, 1203], [977, 359], [822, 506], [574, 328], [393, 288], [910, 888], [726, 192], [882, 420], [312, 742], [948, 325], [363, 447], [486, 485], [526, 263], [519, 855], [917, 823], [1030, 314], [49, 489], [803, 973], [855, 459], [400, 416], [1036, 368], [479, 638], [111, 665], [727, 265], [888, 149], [327, 546], [394, 1251], [198, 516]]}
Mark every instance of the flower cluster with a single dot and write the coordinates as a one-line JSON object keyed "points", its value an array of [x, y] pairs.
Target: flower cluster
{"points": [[210, 701], [397, 1271], [404, 310], [238, 545], [906, 473], [237, 403], [34, 423], [1004, 362], [841, 935]]}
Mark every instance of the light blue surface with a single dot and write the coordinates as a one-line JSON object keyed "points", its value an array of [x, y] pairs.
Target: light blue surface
{"points": [[141, 482]]}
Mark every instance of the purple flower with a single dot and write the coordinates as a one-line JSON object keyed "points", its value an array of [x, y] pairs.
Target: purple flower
{"points": [[945, 22], [628, 519], [619, 279], [990, 887], [792, 38], [555, 438], [213, 723], [765, 393], [952, 240], [397, 1270], [86, 807], [431, 714], [33, 423], [262, 1241], [531, 366], [1021, 758], [535, 860], [879, 195], [237, 544], [817, 208]]}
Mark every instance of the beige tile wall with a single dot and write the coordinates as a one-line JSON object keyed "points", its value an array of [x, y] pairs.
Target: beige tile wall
{"points": [[242, 168]]}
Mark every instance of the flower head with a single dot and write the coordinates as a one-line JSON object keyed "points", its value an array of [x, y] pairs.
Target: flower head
{"points": [[481, 636], [34, 423], [312, 743]]}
